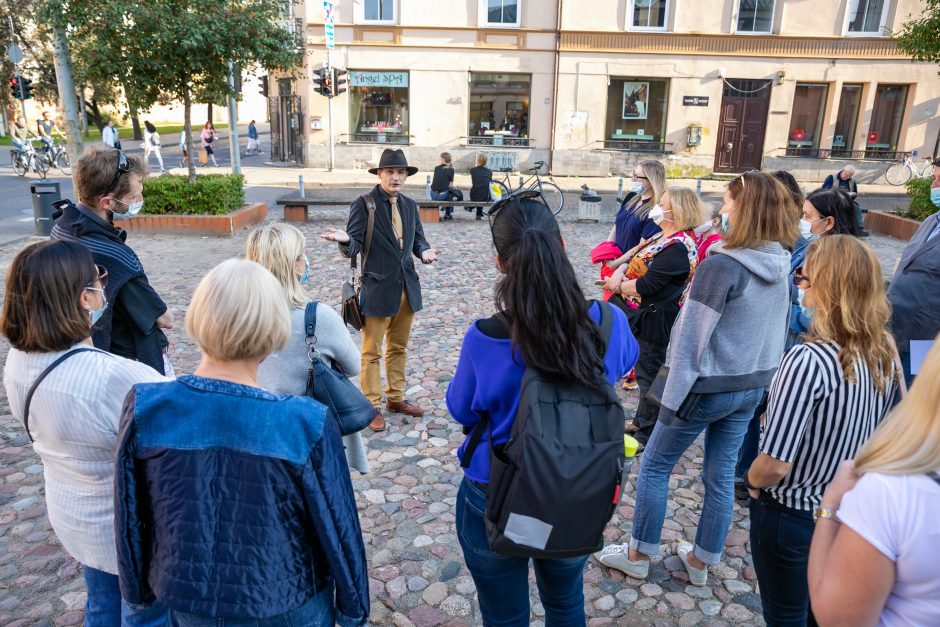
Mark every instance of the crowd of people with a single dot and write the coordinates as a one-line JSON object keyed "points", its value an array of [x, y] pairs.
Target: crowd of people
{"points": [[224, 496]]}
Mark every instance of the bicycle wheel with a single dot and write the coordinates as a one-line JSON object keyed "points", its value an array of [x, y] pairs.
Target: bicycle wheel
{"points": [[553, 196], [62, 162], [19, 166], [898, 174], [41, 165], [498, 190]]}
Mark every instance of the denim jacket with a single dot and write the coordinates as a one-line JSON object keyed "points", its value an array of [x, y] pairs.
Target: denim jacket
{"points": [[232, 502]]}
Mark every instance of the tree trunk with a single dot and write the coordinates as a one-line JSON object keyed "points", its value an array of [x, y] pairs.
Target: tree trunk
{"points": [[209, 113], [188, 127], [135, 121]]}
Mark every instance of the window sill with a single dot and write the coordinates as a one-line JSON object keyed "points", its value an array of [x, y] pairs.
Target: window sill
{"points": [[500, 26], [504, 141], [647, 29], [391, 22], [646, 147]]}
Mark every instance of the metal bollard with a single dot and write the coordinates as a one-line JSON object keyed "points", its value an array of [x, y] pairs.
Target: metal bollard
{"points": [[300, 181], [619, 187], [521, 182], [698, 187]]}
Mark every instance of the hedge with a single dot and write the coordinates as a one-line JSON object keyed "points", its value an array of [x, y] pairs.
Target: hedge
{"points": [[921, 207], [211, 194]]}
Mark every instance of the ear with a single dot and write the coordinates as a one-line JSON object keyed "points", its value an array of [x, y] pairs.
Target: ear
{"points": [[87, 300], [564, 244], [500, 266]]}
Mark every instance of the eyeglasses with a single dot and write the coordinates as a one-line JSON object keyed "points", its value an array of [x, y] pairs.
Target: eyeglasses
{"points": [[799, 277], [637, 177], [123, 167], [102, 277]]}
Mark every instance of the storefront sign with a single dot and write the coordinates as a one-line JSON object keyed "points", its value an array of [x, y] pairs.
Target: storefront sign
{"points": [[378, 79], [694, 101]]}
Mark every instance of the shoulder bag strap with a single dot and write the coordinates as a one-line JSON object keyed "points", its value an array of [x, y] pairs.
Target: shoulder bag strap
{"points": [[607, 320], [310, 339], [935, 476], [474, 441], [43, 375], [898, 371], [370, 228]]}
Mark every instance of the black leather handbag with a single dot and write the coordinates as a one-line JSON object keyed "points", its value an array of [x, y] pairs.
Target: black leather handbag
{"points": [[352, 311], [329, 385]]}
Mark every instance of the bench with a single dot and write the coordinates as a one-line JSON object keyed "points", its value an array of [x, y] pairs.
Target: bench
{"points": [[298, 209]]}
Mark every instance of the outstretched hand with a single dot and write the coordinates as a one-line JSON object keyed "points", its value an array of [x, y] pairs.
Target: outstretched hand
{"points": [[335, 235], [430, 256]]}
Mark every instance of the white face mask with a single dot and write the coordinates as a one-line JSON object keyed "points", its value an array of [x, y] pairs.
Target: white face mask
{"points": [[806, 228], [132, 209], [658, 215]]}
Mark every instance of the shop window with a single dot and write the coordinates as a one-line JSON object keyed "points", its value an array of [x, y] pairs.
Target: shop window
{"points": [[378, 107], [809, 106], [867, 16], [886, 117], [648, 14], [378, 10], [636, 114], [499, 109], [755, 16], [850, 103], [499, 12]]}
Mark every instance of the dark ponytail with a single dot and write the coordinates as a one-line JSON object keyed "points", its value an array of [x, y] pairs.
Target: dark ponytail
{"points": [[540, 297]]}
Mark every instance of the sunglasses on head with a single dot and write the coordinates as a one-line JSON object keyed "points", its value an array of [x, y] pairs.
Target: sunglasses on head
{"points": [[502, 203], [123, 167], [102, 277]]}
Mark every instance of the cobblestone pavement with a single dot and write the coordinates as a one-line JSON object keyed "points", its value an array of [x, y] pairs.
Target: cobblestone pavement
{"points": [[406, 504]]}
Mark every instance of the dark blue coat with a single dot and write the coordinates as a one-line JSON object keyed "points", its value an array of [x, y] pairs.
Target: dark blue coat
{"points": [[232, 502]]}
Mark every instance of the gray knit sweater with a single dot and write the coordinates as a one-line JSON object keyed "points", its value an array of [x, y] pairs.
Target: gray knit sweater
{"points": [[286, 372], [730, 333]]}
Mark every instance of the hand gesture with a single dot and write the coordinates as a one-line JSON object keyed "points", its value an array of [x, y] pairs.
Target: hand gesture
{"points": [[430, 256], [335, 235]]}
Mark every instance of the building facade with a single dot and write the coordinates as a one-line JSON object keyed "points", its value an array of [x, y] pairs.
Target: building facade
{"points": [[593, 87]]}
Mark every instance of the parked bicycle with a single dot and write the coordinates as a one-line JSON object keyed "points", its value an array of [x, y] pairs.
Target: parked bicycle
{"points": [[30, 159], [901, 172], [552, 194], [56, 155]]}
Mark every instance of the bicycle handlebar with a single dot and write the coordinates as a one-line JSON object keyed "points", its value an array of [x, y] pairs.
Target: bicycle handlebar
{"points": [[538, 166]]}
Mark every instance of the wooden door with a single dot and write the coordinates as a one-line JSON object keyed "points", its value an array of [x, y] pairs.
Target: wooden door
{"points": [[742, 125]]}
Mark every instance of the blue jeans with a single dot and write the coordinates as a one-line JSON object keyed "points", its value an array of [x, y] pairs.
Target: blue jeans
{"points": [[780, 539], [104, 606], [724, 418], [450, 194], [316, 612], [20, 146], [502, 581], [751, 445]]}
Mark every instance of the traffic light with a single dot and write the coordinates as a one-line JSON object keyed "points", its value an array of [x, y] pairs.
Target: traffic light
{"points": [[323, 80], [15, 88], [263, 81], [26, 85], [338, 81]]}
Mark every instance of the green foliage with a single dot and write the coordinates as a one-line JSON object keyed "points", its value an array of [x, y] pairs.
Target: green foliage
{"points": [[212, 194], [920, 37], [680, 171], [921, 208]]}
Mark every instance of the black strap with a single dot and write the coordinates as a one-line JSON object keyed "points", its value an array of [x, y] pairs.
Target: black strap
{"points": [[935, 476], [310, 320], [370, 228], [43, 375]]}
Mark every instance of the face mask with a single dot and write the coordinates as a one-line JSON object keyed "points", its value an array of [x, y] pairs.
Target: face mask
{"points": [[704, 228], [637, 187], [132, 209], [657, 214], [807, 311], [725, 227], [806, 229], [95, 314], [303, 278], [935, 196]]}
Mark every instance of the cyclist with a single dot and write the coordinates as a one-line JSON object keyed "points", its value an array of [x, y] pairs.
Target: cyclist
{"points": [[46, 128], [20, 135]]}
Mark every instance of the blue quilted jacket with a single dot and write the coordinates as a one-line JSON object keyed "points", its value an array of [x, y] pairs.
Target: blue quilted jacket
{"points": [[232, 502]]}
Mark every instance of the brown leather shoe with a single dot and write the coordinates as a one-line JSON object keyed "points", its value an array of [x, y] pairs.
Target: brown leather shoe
{"points": [[404, 407], [378, 423]]}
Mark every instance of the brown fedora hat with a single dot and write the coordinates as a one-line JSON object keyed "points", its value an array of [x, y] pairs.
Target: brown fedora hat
{"points": [[392, 159]]}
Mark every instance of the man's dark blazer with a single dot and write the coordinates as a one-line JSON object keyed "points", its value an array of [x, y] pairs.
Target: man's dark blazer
{"points": [[915, 289], [388, 269]]}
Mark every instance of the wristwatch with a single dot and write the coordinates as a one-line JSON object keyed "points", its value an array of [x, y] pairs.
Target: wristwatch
{"points": [[747, 483], [828, 514]]}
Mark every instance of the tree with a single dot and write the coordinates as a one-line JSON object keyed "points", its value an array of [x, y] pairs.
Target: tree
{"points": [[920, 37], [179, 47]]}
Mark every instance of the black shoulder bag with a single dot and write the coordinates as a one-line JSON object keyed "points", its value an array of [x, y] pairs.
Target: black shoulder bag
{"points": [[43, 375], [352, 311], [330, 385]]}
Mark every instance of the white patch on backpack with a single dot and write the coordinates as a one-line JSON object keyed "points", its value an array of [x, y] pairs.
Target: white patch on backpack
{"points": [[527, 531]]}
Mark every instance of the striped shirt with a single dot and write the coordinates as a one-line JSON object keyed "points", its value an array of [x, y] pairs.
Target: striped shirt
{"points": [[73, 419], [816, 419]]}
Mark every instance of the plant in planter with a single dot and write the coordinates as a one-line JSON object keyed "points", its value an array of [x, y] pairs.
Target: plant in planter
{"points": [[210, 194], [921, 208]]}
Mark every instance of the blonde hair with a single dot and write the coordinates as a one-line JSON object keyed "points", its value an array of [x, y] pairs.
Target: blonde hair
{"points": [[239, 312], [908, 441], [850, 308], [763, 212], [276, 246], [481, 159], [656, 174], [687, 210]]}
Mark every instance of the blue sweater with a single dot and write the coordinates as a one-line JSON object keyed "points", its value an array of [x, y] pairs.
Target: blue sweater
{"points": [[489, 378]]}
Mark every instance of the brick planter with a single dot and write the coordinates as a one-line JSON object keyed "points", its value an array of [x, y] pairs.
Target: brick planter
{"points": [[429, 214], [891, 225], [223, 225]]}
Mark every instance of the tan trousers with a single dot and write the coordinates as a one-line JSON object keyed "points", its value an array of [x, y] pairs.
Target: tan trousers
{"points": [[395, 331]]}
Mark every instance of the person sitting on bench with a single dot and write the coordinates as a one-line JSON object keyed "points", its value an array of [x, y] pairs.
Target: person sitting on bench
{"points": [[442, 185]]}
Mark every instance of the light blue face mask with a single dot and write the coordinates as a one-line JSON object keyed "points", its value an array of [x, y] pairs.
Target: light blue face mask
{"points": [[303, 278], [935, 196], [95, 314], [725, 227], [807, 311], [637, 188]]}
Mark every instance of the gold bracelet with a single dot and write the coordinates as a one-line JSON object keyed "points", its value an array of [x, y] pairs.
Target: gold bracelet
{"points": [[822, 513]]}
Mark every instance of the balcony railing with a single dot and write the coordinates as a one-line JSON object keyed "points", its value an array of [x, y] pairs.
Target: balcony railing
{"points": [[385, 137], [509, 141], [839, 153], [626, 145]]}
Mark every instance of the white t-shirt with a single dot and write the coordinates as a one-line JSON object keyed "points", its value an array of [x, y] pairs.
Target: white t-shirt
{"points": [[898, 516]]}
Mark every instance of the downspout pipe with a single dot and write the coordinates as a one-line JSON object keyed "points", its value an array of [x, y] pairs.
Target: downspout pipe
{"points": [[551, 150]]}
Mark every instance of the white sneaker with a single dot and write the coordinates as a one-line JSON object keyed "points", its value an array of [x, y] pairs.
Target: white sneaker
{"points": [[617, 556], [697, 576]]}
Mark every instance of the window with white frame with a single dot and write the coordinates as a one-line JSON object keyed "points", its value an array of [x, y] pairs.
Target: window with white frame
{"points": [[378, 10], [499, 12], [755, 16], [648, 14], [867, 16]]}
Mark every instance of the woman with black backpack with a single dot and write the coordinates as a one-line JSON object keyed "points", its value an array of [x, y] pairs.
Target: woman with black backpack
{"points": [[542, 322]]}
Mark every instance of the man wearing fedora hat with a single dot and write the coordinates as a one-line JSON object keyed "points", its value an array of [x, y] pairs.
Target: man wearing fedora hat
{"points": [[391, 293]]}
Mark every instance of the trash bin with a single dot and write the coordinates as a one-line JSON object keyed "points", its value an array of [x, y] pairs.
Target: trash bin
{"points": [[589, 208], [44, 194]]}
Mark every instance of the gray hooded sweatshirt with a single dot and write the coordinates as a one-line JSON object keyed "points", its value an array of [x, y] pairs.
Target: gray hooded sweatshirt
{"points": [[730, 333]]}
